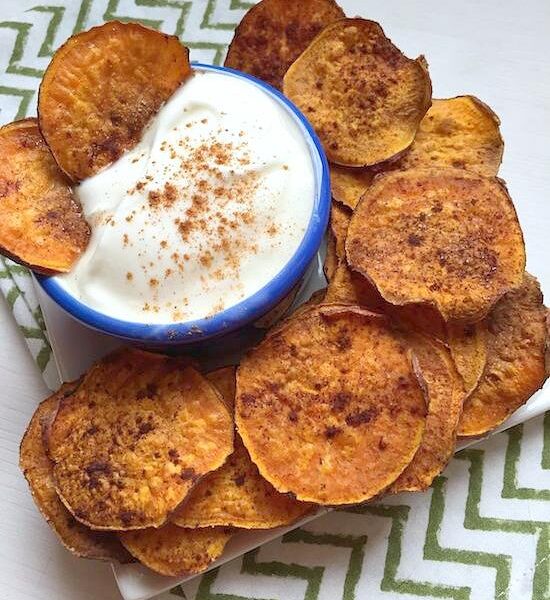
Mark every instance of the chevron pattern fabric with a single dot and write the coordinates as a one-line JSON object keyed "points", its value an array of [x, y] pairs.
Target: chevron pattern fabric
{"points": [[481, 532]]}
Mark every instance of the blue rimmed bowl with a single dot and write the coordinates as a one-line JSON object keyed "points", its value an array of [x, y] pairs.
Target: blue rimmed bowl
{"points": [[250, 309]]}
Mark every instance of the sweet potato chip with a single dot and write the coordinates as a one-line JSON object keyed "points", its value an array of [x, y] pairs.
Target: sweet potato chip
{"points": [[340, 217], [329, 407], [515, 370], [172, 550], [237, 495], [352, 288], [444, 237], [135, 437], [460, 132], [223, 380], [38, 471], [364, 98], [331, 260], [273, 33], [468, 346], [445, 397], [100, 90], [348, 185], [41, 223]]}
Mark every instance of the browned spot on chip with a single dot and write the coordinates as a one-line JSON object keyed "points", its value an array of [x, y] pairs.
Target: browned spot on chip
{"points": [[41, 223], [304, 369], [468, 346], [362, 95], [38, 471], [273, 33], [468, 249], [445, 397], [348, 185], [460, 132], [100, 90], [237, 495], [172, 550], [515, 370], [129, 445]]}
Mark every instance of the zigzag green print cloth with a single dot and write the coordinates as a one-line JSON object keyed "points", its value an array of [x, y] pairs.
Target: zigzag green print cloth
{"points": [[481, 532]]}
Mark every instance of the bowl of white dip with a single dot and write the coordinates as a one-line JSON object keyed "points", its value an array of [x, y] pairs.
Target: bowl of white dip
{"points": [[208, 223]]}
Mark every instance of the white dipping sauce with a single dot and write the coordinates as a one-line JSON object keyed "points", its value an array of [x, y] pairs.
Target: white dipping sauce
{"points": [[202, 213]]}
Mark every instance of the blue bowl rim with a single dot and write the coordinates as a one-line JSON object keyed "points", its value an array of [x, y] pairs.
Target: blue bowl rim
{"points": [[250, 308]]}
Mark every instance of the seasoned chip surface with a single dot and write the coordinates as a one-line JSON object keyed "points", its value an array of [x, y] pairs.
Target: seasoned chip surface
{"points": [[41, 223], [468, 346], [100, 90], [444, 237], [273, 33], [515, 370], [329, 407], [362, 95], [348, 185], [38, 471], [135, 437], [445, 397], [237, 495], [350, 287], [172, 550], [460, 132]]}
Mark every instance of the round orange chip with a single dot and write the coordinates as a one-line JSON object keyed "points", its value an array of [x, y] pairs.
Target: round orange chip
{"points": [[460, 132], [515, 370], [329, 407], [364, 98], [172, 550], [41, 223], [348, 185], [237, 495], [443, 237], [350, 287], [273, 33], [445, 391], [136, 436], [38, 471], [101, 89], [330, 263]]}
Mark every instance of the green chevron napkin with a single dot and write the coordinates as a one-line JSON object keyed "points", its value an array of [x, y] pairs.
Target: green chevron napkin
{"points": [[482, 531]]}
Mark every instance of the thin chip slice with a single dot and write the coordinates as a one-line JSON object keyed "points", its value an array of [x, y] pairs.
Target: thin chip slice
{"points": [[460, 132], [101, 89], [468, 346], [445, 398], [340, 217], [331, 260], [135, 437], [223, 380], [348, 185], [38, 471], [515, 370], [41, 223], [444, 237], [329, 407], [364, 98], [237, 495], [350, 287], [273, 33], [172, 550]]}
